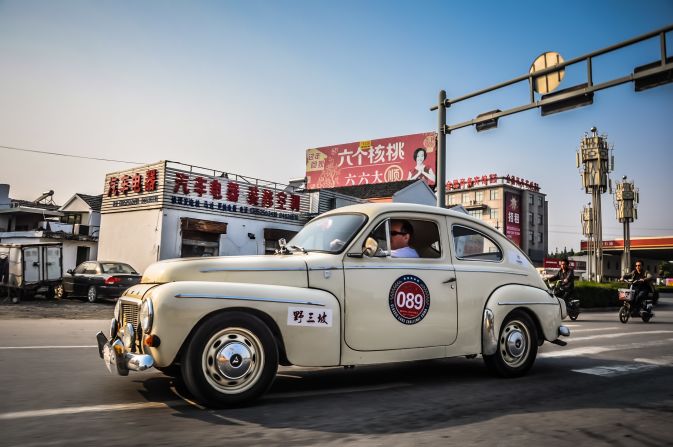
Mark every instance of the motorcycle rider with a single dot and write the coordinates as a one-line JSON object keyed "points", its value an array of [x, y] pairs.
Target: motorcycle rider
{"points": [[566, 278], [642, 285]]}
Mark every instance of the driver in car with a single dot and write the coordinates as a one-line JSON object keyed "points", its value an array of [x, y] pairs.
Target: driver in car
{"points": [[401, 233]]}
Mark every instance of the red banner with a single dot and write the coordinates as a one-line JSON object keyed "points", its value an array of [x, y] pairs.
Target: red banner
{"points": [[408, 157], [513, 217]]}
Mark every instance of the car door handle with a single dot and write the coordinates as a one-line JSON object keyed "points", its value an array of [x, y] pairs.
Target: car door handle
{"points": [[450, 280]]}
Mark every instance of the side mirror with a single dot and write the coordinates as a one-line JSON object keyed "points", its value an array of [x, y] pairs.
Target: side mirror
{"points": [[371, 247], [69, 271]]}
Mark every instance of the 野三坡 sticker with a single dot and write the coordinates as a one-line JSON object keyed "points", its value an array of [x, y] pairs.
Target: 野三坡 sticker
{"points": [[309, 316], [409, 299]]}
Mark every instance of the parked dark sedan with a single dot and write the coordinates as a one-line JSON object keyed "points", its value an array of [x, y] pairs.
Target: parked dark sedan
{"points": [[96, 279]]}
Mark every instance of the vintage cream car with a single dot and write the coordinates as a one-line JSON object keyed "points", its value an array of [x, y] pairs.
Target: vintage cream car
{"points": [[336, 295]]}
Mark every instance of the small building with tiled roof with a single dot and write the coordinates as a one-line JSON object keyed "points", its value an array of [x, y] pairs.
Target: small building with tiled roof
{"points": [[74, 225]]}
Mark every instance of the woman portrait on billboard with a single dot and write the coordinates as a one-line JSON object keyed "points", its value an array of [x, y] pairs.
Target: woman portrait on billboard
{"points": [[420, 170]]}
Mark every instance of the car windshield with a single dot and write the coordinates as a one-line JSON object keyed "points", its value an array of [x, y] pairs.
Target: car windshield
{"points": [[115, 267], [329, 233]]}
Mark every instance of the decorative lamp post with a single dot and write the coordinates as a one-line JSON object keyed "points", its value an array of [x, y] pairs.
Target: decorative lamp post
{"points": [[594, 155], [626, 204], [588, 231]]}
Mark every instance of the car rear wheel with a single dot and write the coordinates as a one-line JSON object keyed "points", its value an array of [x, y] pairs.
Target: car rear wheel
{"points": [[59, 292], [92, 294], [231, 360], [517, 346]]}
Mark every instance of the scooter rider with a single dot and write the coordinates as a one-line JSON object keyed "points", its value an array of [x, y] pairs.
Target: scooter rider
{"points": [[642, 284], [566, 278]]}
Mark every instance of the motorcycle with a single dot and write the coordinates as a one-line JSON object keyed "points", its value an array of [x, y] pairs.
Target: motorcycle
{"points": [[627, 297], [572, 303]]}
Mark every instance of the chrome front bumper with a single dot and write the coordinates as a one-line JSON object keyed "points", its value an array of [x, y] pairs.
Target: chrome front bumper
{"points": [[113, 355]]}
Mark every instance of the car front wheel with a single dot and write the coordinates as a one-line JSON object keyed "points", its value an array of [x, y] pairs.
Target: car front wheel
{"points": [[92, 294], [232, 359], [517, 346]]}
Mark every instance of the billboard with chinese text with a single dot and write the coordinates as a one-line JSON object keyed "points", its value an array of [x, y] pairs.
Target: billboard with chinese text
{"points": [[408, 157], [513, 217]]}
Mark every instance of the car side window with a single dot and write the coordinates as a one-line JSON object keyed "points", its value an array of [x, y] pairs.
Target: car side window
{"points": [[90, 268], [81, 268], [470, 244], [409, 238]]}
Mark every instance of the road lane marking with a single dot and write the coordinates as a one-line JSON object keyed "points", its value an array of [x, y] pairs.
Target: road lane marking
{"points": [[612, 328], [88, 409], [666, 360], [589, 350], [616, 370], [618, 334], [48, 347]]}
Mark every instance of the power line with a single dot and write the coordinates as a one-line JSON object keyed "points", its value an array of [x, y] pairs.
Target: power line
{"points": [[70, 155]]}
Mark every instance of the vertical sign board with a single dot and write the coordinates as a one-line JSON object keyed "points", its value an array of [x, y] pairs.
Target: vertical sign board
{"points": [[513, 217], [408, 157]]}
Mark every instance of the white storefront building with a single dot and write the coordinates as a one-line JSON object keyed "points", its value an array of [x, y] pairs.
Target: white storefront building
{"points": [[170, 210]]}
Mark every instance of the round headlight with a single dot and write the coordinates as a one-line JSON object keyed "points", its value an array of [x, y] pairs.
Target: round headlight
{"points": [[118, 311], [146, 315], [129, 336], [114, 327]]}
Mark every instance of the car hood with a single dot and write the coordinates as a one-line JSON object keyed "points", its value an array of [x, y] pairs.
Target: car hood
{"points": [[284, 270]]}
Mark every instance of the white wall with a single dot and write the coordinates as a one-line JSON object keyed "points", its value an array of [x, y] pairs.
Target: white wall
{"points": [[235, 242], [132, 237], [70, 253]]}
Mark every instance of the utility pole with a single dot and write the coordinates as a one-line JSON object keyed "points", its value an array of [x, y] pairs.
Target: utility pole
{"points": [[597, 163], [626, 205]]}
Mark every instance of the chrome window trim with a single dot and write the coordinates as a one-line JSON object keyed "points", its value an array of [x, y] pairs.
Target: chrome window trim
{"points": [[524, 303], [473, 270], [254, 269], [246, 298], [399, 266]]}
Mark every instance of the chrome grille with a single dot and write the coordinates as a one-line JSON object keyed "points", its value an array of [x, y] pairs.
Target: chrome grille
{"points": [[130, 313]]}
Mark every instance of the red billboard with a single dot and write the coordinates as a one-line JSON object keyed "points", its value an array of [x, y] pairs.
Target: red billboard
{"points": [[408, 157], [513, 217]]}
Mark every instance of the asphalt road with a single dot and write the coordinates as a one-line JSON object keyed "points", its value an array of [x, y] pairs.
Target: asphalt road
{"points": [[612, 385]]}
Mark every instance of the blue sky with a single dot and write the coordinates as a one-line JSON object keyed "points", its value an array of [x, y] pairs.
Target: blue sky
{"points": [[248, 86]]}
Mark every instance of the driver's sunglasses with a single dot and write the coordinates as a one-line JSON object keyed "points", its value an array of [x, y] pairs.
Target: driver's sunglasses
{"points": [[396, 233]]}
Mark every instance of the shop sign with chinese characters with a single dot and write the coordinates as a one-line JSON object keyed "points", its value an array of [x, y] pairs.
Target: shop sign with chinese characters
{"points": [[166, 186], [409, 157], [491, 179]]}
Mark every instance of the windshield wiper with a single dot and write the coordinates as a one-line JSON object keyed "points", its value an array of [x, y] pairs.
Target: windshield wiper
{"points": [[298, 248]]}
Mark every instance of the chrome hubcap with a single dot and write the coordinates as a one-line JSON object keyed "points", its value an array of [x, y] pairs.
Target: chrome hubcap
{"points": [[515, 343], [233, 360]]}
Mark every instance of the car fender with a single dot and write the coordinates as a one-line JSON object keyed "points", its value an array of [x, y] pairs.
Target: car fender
{"points": [[545, 310], [180, 307]]}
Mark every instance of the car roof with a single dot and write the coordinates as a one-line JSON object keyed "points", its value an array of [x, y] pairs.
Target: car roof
{"points": [[374, 209]]}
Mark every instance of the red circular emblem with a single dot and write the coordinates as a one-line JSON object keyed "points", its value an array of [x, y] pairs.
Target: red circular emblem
{"points": [[409, 299]]}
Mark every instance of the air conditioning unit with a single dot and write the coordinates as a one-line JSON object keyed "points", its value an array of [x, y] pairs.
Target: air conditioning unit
{"points": [[80, 230]]}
